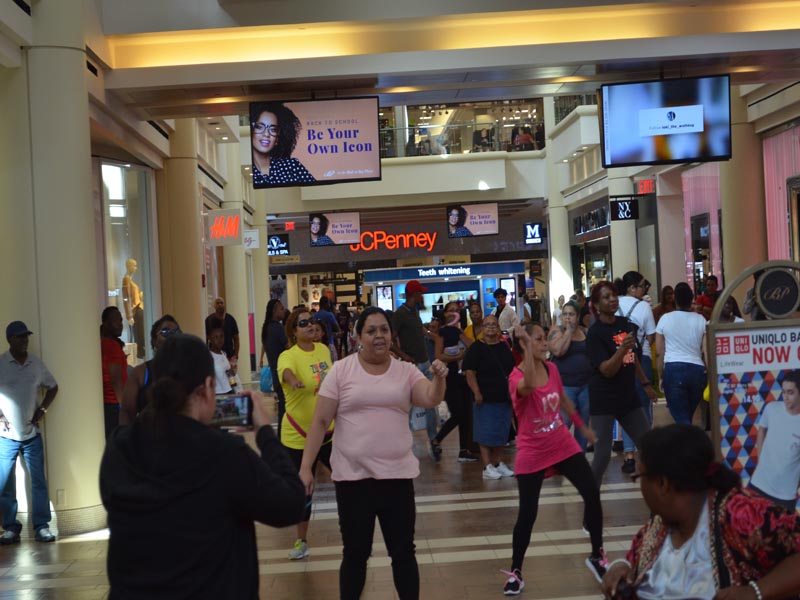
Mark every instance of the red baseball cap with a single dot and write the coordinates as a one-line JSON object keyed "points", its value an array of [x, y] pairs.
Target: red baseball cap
{"points": [[414, 287]]}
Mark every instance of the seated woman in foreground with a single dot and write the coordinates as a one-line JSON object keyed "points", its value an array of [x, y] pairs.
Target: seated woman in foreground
{"points": [[708, 537]]}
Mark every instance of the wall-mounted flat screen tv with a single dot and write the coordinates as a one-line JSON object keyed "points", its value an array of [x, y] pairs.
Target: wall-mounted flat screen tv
{"points": [[334, 229], [466, 220], [667, 121], [314, 142]]}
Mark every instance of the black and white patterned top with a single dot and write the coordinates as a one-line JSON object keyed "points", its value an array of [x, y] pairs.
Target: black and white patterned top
{"points": [[282, 171]]}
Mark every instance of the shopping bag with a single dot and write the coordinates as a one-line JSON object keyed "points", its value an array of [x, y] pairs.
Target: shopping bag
{"points": [[417, 420], [266, 379]]}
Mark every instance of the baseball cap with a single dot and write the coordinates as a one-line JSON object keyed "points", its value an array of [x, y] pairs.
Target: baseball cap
{"points": [[17, 328], [414, 286], [500, 292]]}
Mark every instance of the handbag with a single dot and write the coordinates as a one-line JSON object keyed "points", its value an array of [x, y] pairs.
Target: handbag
{"points": [[266, 379]]}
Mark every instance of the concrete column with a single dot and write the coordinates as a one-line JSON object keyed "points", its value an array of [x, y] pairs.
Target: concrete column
{"points": [[558, 231], [180, 231], [672, 256], [236, 277], [624, 256], [50, 276], [401, 130], [741, 182]]}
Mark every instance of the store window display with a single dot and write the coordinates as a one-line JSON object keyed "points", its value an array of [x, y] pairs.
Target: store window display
{"points": [[127, 212], [133, 302]]}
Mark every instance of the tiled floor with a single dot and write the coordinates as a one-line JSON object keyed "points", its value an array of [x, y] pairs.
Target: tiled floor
{"points": [[463, 539]]}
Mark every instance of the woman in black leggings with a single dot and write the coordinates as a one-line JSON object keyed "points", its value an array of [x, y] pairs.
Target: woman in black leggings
{"points": [[612, 390], [545, 447]]}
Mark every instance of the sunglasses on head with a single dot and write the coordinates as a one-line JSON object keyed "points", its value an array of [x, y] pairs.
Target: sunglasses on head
{"points": [[166, 332]]}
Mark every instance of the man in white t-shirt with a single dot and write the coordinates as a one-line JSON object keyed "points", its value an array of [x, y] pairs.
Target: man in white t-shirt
{"points": [[507, 317], [778, 471], [637, 309]]}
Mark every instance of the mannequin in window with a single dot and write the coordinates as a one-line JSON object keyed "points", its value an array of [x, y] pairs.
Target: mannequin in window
{"points": [[133, 302]]}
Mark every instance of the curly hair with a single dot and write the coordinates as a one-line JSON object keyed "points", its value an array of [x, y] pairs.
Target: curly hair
{"points": [[462, 214], [289, 126], [323, 223]]}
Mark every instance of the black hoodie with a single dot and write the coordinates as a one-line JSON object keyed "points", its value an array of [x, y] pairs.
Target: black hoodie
{"points": [[181, 509]]}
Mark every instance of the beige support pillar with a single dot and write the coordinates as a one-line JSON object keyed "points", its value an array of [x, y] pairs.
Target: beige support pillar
{"points": [[261, 290], [558, 232], [624, 255], [180, 231], [50, 275], [741, 182], [236, 284]]}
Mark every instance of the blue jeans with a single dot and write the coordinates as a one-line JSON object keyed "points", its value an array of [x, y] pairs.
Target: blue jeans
{"points": [[647, 404], [579, 396], [683, 385], [431, 414], [33, 453]]}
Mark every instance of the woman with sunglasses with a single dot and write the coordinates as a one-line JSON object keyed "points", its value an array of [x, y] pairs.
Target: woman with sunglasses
{"points": [[274, 131], [634, 307], [301, 369], [134, 394], [707, 537]]}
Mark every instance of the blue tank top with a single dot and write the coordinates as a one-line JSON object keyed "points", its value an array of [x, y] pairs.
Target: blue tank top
{"points": [[574, 367]]}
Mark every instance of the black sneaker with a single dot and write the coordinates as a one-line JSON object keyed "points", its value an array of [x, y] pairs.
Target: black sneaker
{"points": [[435, 451], [9, 537], [514, 584], [465, 456], [598, 565], [629, 466]]}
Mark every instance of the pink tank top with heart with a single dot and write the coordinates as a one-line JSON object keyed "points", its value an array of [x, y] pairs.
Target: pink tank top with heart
{"points": [[543, 439]]}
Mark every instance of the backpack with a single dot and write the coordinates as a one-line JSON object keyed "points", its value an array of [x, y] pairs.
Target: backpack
{"points": [[634, 329]]}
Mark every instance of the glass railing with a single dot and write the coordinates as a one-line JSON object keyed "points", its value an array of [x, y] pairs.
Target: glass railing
{"points": [[460, 138]]}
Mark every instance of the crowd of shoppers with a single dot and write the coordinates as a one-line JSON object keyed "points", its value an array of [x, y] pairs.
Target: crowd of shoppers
{"points": [[165, 466]]}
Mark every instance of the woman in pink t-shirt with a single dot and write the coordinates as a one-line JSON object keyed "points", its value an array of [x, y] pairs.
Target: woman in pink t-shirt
{"points": [[370, 395], [544, 447]]}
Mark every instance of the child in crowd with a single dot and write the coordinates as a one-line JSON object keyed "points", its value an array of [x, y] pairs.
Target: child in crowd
{"points": [[778, 471], [226, 380]]}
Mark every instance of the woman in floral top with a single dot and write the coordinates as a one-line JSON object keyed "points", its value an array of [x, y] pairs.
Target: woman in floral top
{"points": [[708, 538]]}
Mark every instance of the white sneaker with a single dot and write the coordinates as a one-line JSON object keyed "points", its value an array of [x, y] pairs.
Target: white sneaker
{"points": [[490, 472], [299, 551], [504, 470]]}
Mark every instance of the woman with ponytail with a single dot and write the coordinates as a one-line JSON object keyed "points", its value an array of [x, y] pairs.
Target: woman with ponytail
{"points": [[182, 497], [707, 537]]}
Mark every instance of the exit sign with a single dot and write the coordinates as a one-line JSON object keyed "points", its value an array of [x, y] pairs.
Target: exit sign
{"points": [[224, 227], [646, 186]]}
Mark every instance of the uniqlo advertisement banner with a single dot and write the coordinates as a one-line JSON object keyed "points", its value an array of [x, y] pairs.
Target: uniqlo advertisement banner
{"points": [[751, 365]]}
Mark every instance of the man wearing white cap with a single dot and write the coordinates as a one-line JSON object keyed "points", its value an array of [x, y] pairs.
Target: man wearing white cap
{"points": [[22, 375]]}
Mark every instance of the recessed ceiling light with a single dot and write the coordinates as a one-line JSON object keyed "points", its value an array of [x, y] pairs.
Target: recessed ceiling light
{"points": [[217, 128], [224, 138]]}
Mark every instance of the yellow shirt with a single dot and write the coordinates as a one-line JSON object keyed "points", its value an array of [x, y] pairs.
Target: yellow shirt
{"points": [[310, 368], [471, 335]]}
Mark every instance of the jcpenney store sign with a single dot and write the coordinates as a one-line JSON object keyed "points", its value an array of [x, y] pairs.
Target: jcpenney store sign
{"points": [[375, 240], [407, 240]]}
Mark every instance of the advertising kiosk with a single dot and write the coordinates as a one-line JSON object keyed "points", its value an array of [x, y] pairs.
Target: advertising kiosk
{"points": [[751, 366]]}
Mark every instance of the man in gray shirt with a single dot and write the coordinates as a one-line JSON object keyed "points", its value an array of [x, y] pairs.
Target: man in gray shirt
{"points": [[22, 375], [410, 346]]}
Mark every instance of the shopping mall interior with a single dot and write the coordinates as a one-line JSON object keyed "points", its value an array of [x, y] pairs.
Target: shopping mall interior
{"points": [[128, 153]]}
